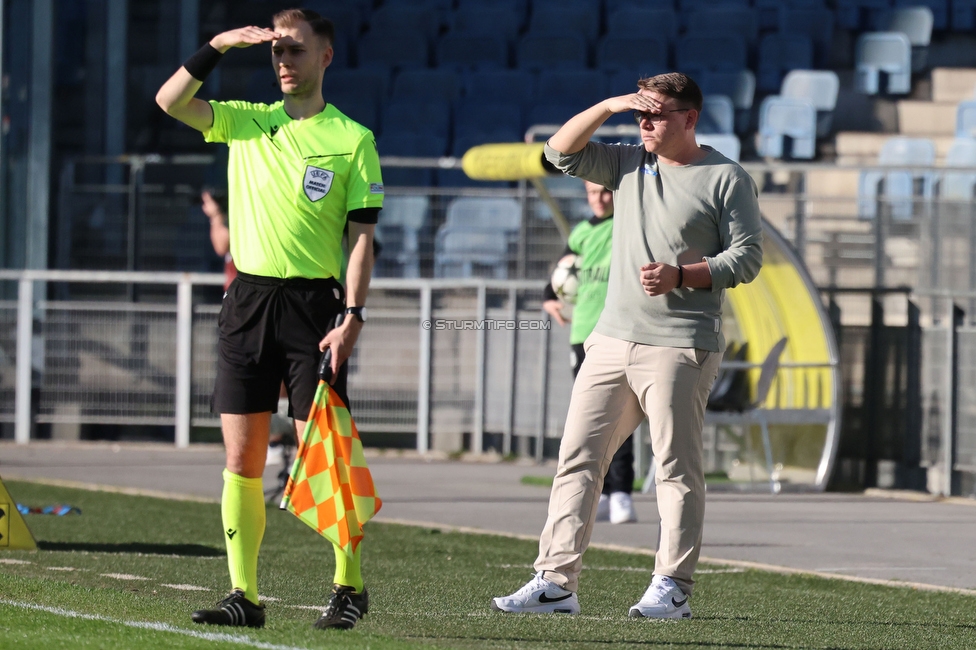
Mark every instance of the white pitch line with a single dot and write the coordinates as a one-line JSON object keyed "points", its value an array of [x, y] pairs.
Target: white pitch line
{"points": [[882, 568], [10, 560], [186, 587], [62, 568], [122, 576], [158, 627]]}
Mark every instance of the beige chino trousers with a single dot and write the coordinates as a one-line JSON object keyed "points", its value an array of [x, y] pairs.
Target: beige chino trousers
{"points": [[619, 383]]}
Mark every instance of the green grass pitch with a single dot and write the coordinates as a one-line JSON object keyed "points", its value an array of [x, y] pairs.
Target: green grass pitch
{"points": [[129, 570]]}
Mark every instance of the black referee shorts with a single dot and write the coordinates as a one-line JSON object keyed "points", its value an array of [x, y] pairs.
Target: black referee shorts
{"points": [[270, 330]]}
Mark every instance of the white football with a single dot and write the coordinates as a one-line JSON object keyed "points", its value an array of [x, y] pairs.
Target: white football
{"points": [[565, 279]]}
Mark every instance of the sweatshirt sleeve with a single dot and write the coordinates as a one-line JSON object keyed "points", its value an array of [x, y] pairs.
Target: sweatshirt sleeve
{"points": [[740, 229], [595, 162]]}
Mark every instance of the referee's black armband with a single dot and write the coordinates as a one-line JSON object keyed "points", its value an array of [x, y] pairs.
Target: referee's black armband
{"points": [[364, 215], [203, 61]]}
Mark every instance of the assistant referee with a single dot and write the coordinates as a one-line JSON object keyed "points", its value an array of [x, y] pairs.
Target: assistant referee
{"points": [[298, 171]]}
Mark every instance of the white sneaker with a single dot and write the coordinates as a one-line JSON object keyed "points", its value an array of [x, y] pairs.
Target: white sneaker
{"points": [[663, 599], [538, 596], [603, 508], [622, 509]]}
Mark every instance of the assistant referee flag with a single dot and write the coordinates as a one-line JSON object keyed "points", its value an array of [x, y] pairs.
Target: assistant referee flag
{"points": [[330, 487]]}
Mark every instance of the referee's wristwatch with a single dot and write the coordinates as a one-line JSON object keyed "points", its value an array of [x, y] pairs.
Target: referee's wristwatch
{"points": [[358, 312]]}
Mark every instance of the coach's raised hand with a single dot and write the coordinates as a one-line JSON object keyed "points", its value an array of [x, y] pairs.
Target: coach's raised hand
{"points": [[243, 37]]}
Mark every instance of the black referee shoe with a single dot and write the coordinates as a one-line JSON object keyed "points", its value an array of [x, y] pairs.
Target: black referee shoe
{"points": [[344, 610], [234, 610]]}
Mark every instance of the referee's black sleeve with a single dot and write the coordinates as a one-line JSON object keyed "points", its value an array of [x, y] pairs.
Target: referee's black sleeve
{"points": [[364, 215]]}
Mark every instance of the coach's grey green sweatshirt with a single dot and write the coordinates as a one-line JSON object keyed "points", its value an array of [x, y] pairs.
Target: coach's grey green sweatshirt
{"points": [[707, 211]]}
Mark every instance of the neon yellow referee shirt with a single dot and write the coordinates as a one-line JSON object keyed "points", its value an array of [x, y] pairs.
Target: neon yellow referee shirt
{"points": [[291, 184]]}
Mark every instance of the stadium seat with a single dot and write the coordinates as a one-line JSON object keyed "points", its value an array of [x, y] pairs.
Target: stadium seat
{"points": [[889, 53], [787, 128], [939, 9], [347, 19], [726, 144], [616, 53], [966, 119], [569, 16], [417, 117], [658, 20], [739, 85], [501, 214], [820, 88], [401, 223], [768, 10], [392, 50], [725, 19], [780, 53], [406, 18], [373, 83], [461, 253], [492, 85], [959, 186], [694, 53], [472, 51], [815, 22], [900, 187], [963, 15], [861, 14], [577, 89], [548, 50], [916, 24], [262, 86], [494, 20], [438, 85], [411, 145], [474, 118], [717, 115]]}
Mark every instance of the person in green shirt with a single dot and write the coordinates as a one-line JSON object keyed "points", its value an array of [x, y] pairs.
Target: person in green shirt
{"points": [[590, 241], [298, 172]]}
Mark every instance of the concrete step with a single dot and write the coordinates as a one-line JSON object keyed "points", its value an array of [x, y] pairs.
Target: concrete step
{"points": [[953, 84]]}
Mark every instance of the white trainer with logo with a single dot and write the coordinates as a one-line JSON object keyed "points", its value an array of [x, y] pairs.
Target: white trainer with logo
{"points": [[538, 596], [663, 599], [622, 509]]}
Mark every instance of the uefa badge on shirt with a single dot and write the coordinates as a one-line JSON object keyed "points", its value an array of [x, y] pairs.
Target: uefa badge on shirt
{"points": [[317, 182]]}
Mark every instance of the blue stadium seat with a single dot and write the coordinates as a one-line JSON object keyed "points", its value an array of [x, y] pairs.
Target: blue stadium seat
{"points": [[963, 15], [726, 144], [402, 221], [900, 187], [768, 10], [779, 53], [417, 118], [966, 119], [474, 119], [422, 84], [492, 85], [861, 14], [545, 51], [820, 88], [644, 21], [959, 186], [717, 115], [787, 128], [916, 24], [347, 18], [724, 19], [262, 86], [939, 8], [462, 253], [694, 53], [499, 214], [371, 83], [494, 20], [406, 18], [625, 52], [472, 51], [739, 85], [410, 144], [390, 51], [815, 22], [883, 52], [569, 16], [577, 89]]}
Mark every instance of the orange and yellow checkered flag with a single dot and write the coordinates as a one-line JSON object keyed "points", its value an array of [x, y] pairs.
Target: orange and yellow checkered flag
{"points": [[330, 487]]}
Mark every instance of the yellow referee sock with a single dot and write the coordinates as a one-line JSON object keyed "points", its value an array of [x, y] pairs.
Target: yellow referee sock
{"points": [[349, 570], [243, 514]]}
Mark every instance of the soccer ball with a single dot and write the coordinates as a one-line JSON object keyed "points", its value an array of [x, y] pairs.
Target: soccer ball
{"points": [[565, 279]]}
